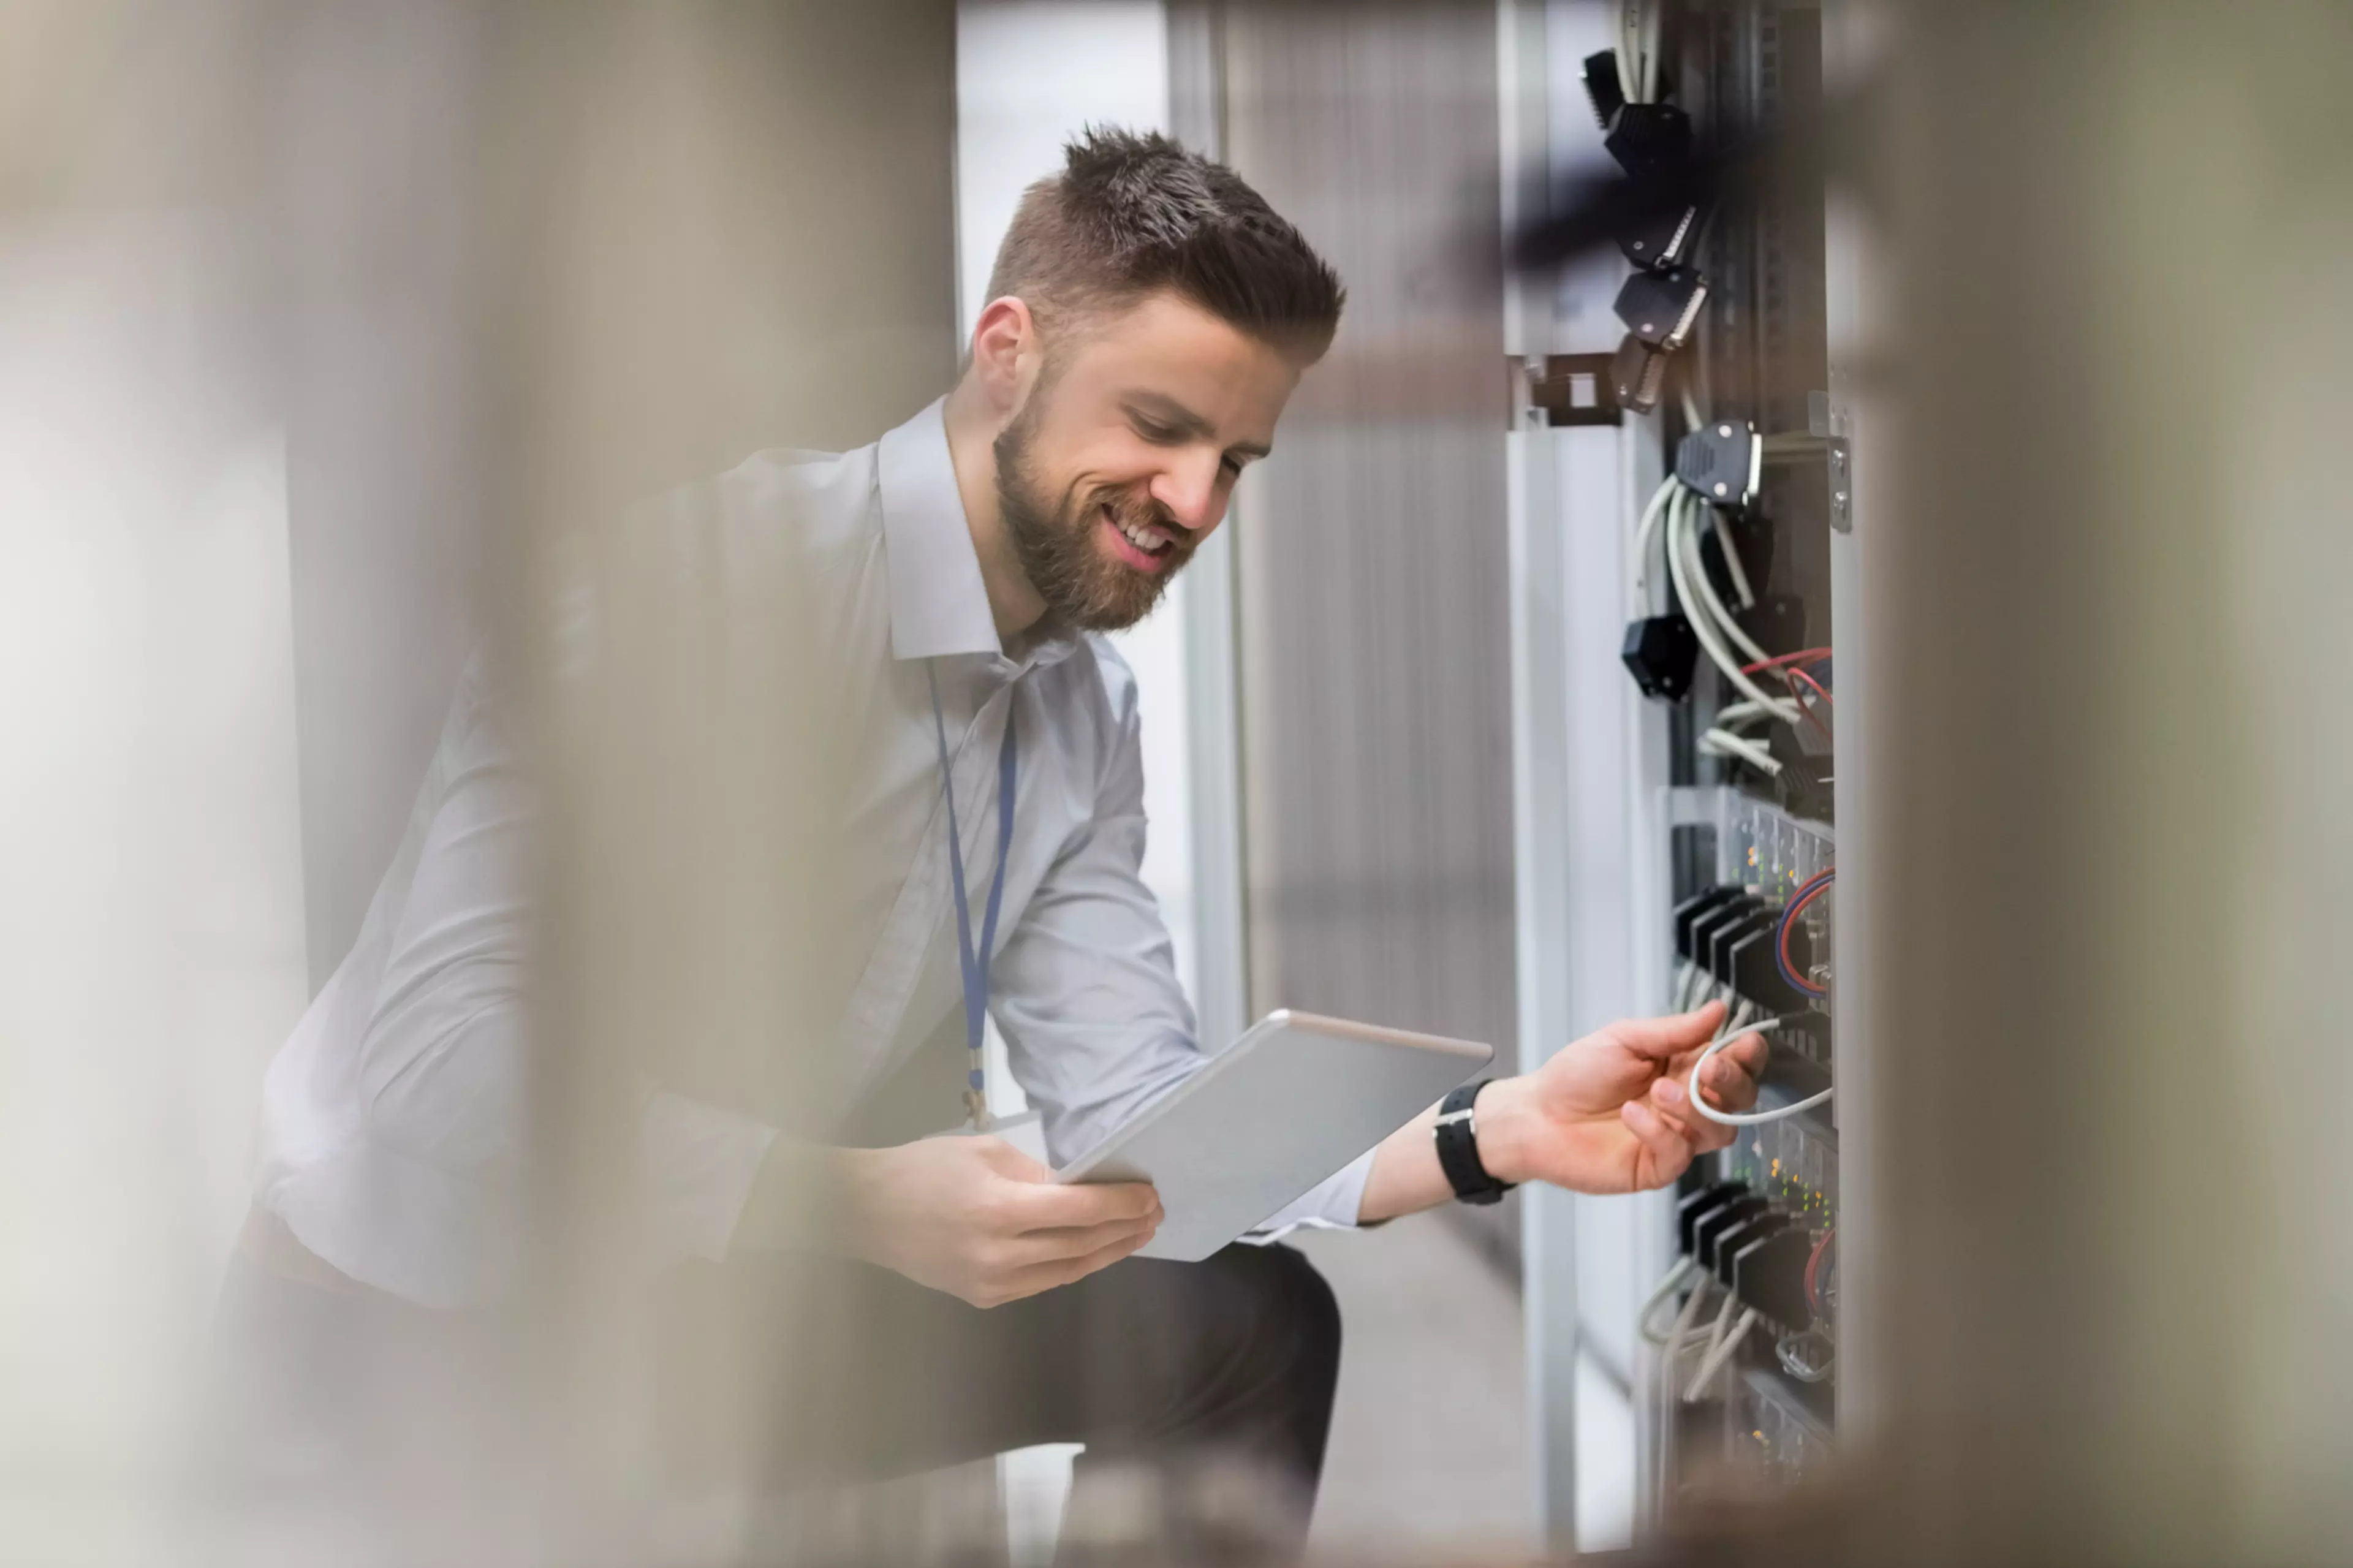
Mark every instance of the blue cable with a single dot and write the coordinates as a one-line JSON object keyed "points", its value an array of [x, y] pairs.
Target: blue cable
{"points": [[1805, 895]]}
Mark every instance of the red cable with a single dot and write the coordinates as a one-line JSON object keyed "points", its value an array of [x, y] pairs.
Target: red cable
{"points": [[1813, 888], [1819, 689], [1803, 656], [1813, 1269], [1790, 678]]}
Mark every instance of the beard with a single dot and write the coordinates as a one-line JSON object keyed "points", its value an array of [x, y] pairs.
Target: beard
{"points": [[1083, 586]]}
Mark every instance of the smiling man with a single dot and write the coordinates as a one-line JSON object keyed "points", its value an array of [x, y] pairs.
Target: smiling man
{"points": [[1150, 316]]}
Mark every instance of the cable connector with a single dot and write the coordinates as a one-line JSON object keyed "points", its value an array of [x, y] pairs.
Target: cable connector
{"points": [[1661, 653], [1638, 375], [1807, 784], [1723, 460], [1769, 1273], [1660, 307], [1604, 88], [1662, 238], [1693, 1206], [1689, 913], [1649, 138]]}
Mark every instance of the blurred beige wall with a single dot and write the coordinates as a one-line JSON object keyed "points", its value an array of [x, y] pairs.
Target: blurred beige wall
{"points": [[2105, 569]]}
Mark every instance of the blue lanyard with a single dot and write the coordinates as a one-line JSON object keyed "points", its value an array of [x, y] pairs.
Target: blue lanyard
{"points": [[975, 960]]}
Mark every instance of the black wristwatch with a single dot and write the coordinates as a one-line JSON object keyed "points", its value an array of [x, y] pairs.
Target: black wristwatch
{"points": [[1458, 1147]]}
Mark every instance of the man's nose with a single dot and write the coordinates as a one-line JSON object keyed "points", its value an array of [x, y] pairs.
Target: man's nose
{"points": [[1189, 491]]}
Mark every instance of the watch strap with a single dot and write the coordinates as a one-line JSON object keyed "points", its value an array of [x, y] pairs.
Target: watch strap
{"points": [[1458, 1147]]}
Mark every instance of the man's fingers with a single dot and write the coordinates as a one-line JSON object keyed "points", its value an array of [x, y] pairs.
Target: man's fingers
{"points": [[1672, 1102], [1662, 1039], [1729, 1078], [1049, 1275], [1047, 1206], [1034, 1247], [1668, 1150]]}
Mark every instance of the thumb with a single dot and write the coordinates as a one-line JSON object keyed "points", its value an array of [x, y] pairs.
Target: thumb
{"points": [[1663, 1039]]}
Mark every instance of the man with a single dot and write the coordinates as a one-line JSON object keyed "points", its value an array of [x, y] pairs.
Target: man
{"points": [[1150, 316]]}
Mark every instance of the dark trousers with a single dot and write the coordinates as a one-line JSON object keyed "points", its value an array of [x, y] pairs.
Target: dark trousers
{"points": [[1225, 1366]]}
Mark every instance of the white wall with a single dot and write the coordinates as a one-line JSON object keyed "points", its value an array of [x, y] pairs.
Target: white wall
{"points": [[151, 891], [1028, 76]]}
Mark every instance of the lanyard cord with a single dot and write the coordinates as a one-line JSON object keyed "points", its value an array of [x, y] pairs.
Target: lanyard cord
{"points": [[975, 960]]}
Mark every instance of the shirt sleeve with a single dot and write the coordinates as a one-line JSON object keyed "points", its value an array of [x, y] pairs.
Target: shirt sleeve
{"points": [[420, 1190], [1084, 988], [1331, 1204], [1096, 1027]]}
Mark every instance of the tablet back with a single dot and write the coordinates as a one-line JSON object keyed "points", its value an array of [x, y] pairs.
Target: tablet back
{"points": [[1292, 1102]]}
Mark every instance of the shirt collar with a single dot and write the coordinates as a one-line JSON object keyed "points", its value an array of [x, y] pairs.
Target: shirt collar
{"points": [[939, 605]]}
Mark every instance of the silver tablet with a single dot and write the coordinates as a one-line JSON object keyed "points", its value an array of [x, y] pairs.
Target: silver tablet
{"points": [[1287, 1105]]}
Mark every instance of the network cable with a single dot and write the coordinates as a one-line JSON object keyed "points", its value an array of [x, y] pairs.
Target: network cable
{"points": [[1733, 1030], [1812, 888]]}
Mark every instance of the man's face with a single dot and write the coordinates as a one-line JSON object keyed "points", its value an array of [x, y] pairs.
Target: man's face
{"points": [[1124, 454]]}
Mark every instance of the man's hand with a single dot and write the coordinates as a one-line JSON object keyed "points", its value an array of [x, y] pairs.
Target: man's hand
{"points": [[979, 1219], [1609, 1113]]}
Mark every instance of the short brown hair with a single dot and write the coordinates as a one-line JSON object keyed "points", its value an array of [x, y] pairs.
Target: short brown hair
{"points": [[1131, 214]]}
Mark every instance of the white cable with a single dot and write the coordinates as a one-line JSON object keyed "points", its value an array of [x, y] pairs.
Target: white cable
{"points": [[1686, 538], [1745, 1118], [1665, 1289], [1725, 743], [1686, 975], [1680, 1335], [1630, 73], [1631, 31], [1641, 590], [1722, 1324], [1714, 1361], [1717, 1333], [1732, 562], [1779, 707]]}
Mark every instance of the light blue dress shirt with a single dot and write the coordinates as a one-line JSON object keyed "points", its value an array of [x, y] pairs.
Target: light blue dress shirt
{"points": [[393, 1117]]}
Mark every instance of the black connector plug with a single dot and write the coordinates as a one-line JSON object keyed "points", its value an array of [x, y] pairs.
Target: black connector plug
{"points": [[1721, 1218], [1747, 1233], [1604, 88], [1692, 1207], [1647, 137], [1660, 307], [1661, 653], [1638, 375], [1662, 238], [1755, 917], [1769, 1273], [1723, 460], [1689, 911], [1806, 786], [1756, 976], [1776, 620], [1723, 918]]}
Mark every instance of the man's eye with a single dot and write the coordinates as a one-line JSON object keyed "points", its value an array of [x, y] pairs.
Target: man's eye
{"points": [[1233, 467], [1158, 435]]}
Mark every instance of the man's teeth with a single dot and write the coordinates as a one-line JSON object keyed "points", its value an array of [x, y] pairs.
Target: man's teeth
{"points": [[1145, 539]]}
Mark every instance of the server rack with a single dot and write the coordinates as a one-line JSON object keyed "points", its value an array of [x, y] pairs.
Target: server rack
{"points": [[1639, 821]]}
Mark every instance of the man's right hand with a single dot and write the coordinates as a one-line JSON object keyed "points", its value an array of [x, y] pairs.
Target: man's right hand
{"points": [[977, 1218]]}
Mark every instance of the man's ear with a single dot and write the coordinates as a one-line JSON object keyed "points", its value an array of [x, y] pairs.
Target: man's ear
{"points": [[1005, 352]]}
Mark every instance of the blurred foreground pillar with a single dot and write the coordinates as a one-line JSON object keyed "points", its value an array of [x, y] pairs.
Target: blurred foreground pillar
{"points": [[2107, 570]]}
